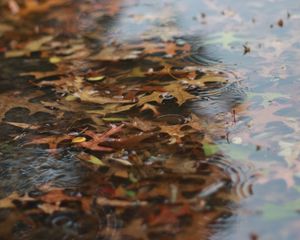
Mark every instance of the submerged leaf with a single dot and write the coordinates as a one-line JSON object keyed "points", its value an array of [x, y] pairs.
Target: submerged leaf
{"points": [[78, 140], [95, 79], [210, 149]]}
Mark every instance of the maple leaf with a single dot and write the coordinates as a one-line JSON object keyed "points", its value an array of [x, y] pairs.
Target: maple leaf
{"points": [[97, 139]]}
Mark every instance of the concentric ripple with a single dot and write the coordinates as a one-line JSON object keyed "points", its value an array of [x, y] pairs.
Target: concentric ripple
{"points": [[241, 176]]}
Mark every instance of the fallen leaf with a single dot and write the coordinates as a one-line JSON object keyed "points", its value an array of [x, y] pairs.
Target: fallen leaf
{"points": [[119, 203], [11, 100], [97, 139], [51, 141], [177, 91], [78, 139], [24, 125]]}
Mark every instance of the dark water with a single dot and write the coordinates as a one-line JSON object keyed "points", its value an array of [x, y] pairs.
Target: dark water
{"points": [[248, 190]]}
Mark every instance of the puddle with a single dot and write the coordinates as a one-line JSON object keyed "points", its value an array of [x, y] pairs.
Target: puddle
{"points": [[137, 120]]}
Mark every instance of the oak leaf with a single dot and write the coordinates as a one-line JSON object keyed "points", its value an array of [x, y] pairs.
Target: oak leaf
{"points": [[99, 138], [177, 91], [153, 97], [11, 100], [51, 141]]}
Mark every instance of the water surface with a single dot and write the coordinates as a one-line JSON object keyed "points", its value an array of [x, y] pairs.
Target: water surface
{"points": [[235, 178]]}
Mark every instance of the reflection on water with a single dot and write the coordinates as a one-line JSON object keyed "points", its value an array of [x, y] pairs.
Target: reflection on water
{"points": [[171, 191]]}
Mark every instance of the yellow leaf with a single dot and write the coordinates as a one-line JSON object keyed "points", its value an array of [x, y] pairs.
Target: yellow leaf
{"points": [[79, 140], [15, 53], [94, 79], [70, 98], [37, 44], [54, 60], [95, 160]]}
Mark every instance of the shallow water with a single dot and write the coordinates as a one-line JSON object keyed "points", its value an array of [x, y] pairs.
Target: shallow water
{"points": [[246, 189]]}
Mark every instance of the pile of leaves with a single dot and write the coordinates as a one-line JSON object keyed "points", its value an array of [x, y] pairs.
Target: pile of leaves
{"points": [[123, 110]]}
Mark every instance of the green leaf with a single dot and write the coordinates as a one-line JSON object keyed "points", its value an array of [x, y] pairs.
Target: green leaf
{"points": [[210, 149], [130, 193], [114, 119], [95, 160]]}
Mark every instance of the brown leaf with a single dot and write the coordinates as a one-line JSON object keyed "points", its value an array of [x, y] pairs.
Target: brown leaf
{"points": [[51, 141], [153, 97], [97, 139], [32, 46], [8, 201], [177, 91], [150, 107], [113, 53], [112, 108], [174, 131], [24, 125], [50, 208], [196, 123], [119, 203], [89, 96], [168, 215], [145, 126], [131, 141], [11, 100]]}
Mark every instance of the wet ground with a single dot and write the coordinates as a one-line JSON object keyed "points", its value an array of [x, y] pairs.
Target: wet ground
{"points": [[149, 119]]}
